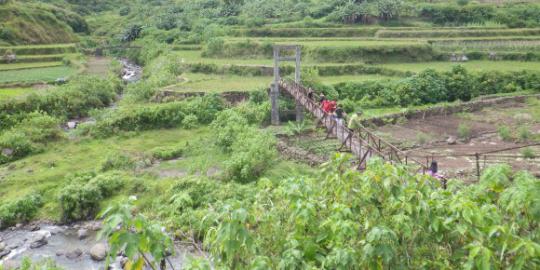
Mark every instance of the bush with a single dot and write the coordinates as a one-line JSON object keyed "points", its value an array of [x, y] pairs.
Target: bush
{"points": [[524, 133], [253, 152], [19, 145], [504, 133], [118, 161], [528, 153], [155, 116], [227, 127], [190, 121], [80, 199], [73, 100], [167, 153], [28, 136], [20, 210], [464, 131], [426, 87], [459, 84]]}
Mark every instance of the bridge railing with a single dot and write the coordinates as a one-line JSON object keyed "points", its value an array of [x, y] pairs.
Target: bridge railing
{"points": [[362, 142]]}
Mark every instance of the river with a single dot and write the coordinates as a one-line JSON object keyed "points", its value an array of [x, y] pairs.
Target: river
{"points": [[65, 246]]}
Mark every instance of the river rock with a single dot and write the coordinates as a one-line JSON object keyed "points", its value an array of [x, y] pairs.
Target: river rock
{"points": [[82, 233], [39, 239], [72, 124], [14, 246], [4, 253], [34, 228], [7, 152], [2, 246], [98, 252], [74, 254]]}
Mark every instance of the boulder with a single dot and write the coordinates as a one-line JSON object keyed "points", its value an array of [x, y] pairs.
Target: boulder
{"points": [[4, 253], [98, 252], [39, 239], [74, 254], [72, 124], [82, 233], [451, 140], [7, 152], [2, 246]]}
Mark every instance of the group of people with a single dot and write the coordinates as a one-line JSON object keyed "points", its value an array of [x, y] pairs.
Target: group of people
{"points": [[331, 107]]}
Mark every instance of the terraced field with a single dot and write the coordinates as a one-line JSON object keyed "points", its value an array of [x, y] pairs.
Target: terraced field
{"points": [[24, 66]]}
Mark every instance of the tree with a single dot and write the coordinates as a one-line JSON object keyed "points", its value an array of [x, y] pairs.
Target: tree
{"points": [[388, 9]]}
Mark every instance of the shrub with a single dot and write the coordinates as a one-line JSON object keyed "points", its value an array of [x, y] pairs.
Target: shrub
{"points": [[80, 199], [252, 153], [422, 138], [154, 116], [72, 100], [20, 210], [524, 133], [464, 131], [426, 87], [227, 126], [167, 153], [190, 121], [504, 133], [28, 136], [19, 145], [459, 84], [294, 128], [528, 153], [118, 161]]}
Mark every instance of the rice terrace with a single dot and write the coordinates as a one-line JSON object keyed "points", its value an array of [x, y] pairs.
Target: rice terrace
{"points": [[269, 134]]}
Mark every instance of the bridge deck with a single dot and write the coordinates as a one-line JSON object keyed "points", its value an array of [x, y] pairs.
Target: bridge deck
{"points": [[362, 142]]}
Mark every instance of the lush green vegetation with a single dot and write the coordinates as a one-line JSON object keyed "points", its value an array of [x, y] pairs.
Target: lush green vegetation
{"points": [[8, 93], [38, 23], [210, 172]]}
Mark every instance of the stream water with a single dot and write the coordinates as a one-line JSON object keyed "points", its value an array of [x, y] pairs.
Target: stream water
{"points": [[64, 245], [130, 72]]}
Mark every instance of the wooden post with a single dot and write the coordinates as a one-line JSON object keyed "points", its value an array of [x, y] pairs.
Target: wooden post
{"points": [[274, 90], [477, 165], [299, 108]]}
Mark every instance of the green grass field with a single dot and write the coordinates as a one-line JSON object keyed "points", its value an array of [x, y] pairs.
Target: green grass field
{"points": [[8, 93], [197, 82], [46, 171], [36, 74], [16, 66]]}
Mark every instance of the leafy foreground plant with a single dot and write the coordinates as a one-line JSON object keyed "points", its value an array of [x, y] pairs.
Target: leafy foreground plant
{"points": [[137, 236], [382, 218]]}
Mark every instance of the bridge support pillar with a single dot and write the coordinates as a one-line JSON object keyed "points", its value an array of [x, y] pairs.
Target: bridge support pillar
{"points": [[299, 107], [274, 89], [274, 97]]}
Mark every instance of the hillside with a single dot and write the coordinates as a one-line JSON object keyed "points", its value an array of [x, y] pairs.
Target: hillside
{"points": [[38, 23]]}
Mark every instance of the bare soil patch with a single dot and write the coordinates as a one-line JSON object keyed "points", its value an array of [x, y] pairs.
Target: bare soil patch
{"points": [[442, 138]]}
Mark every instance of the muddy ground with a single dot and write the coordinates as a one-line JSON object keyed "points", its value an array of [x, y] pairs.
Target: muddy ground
{"points": [[454, 140]]}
